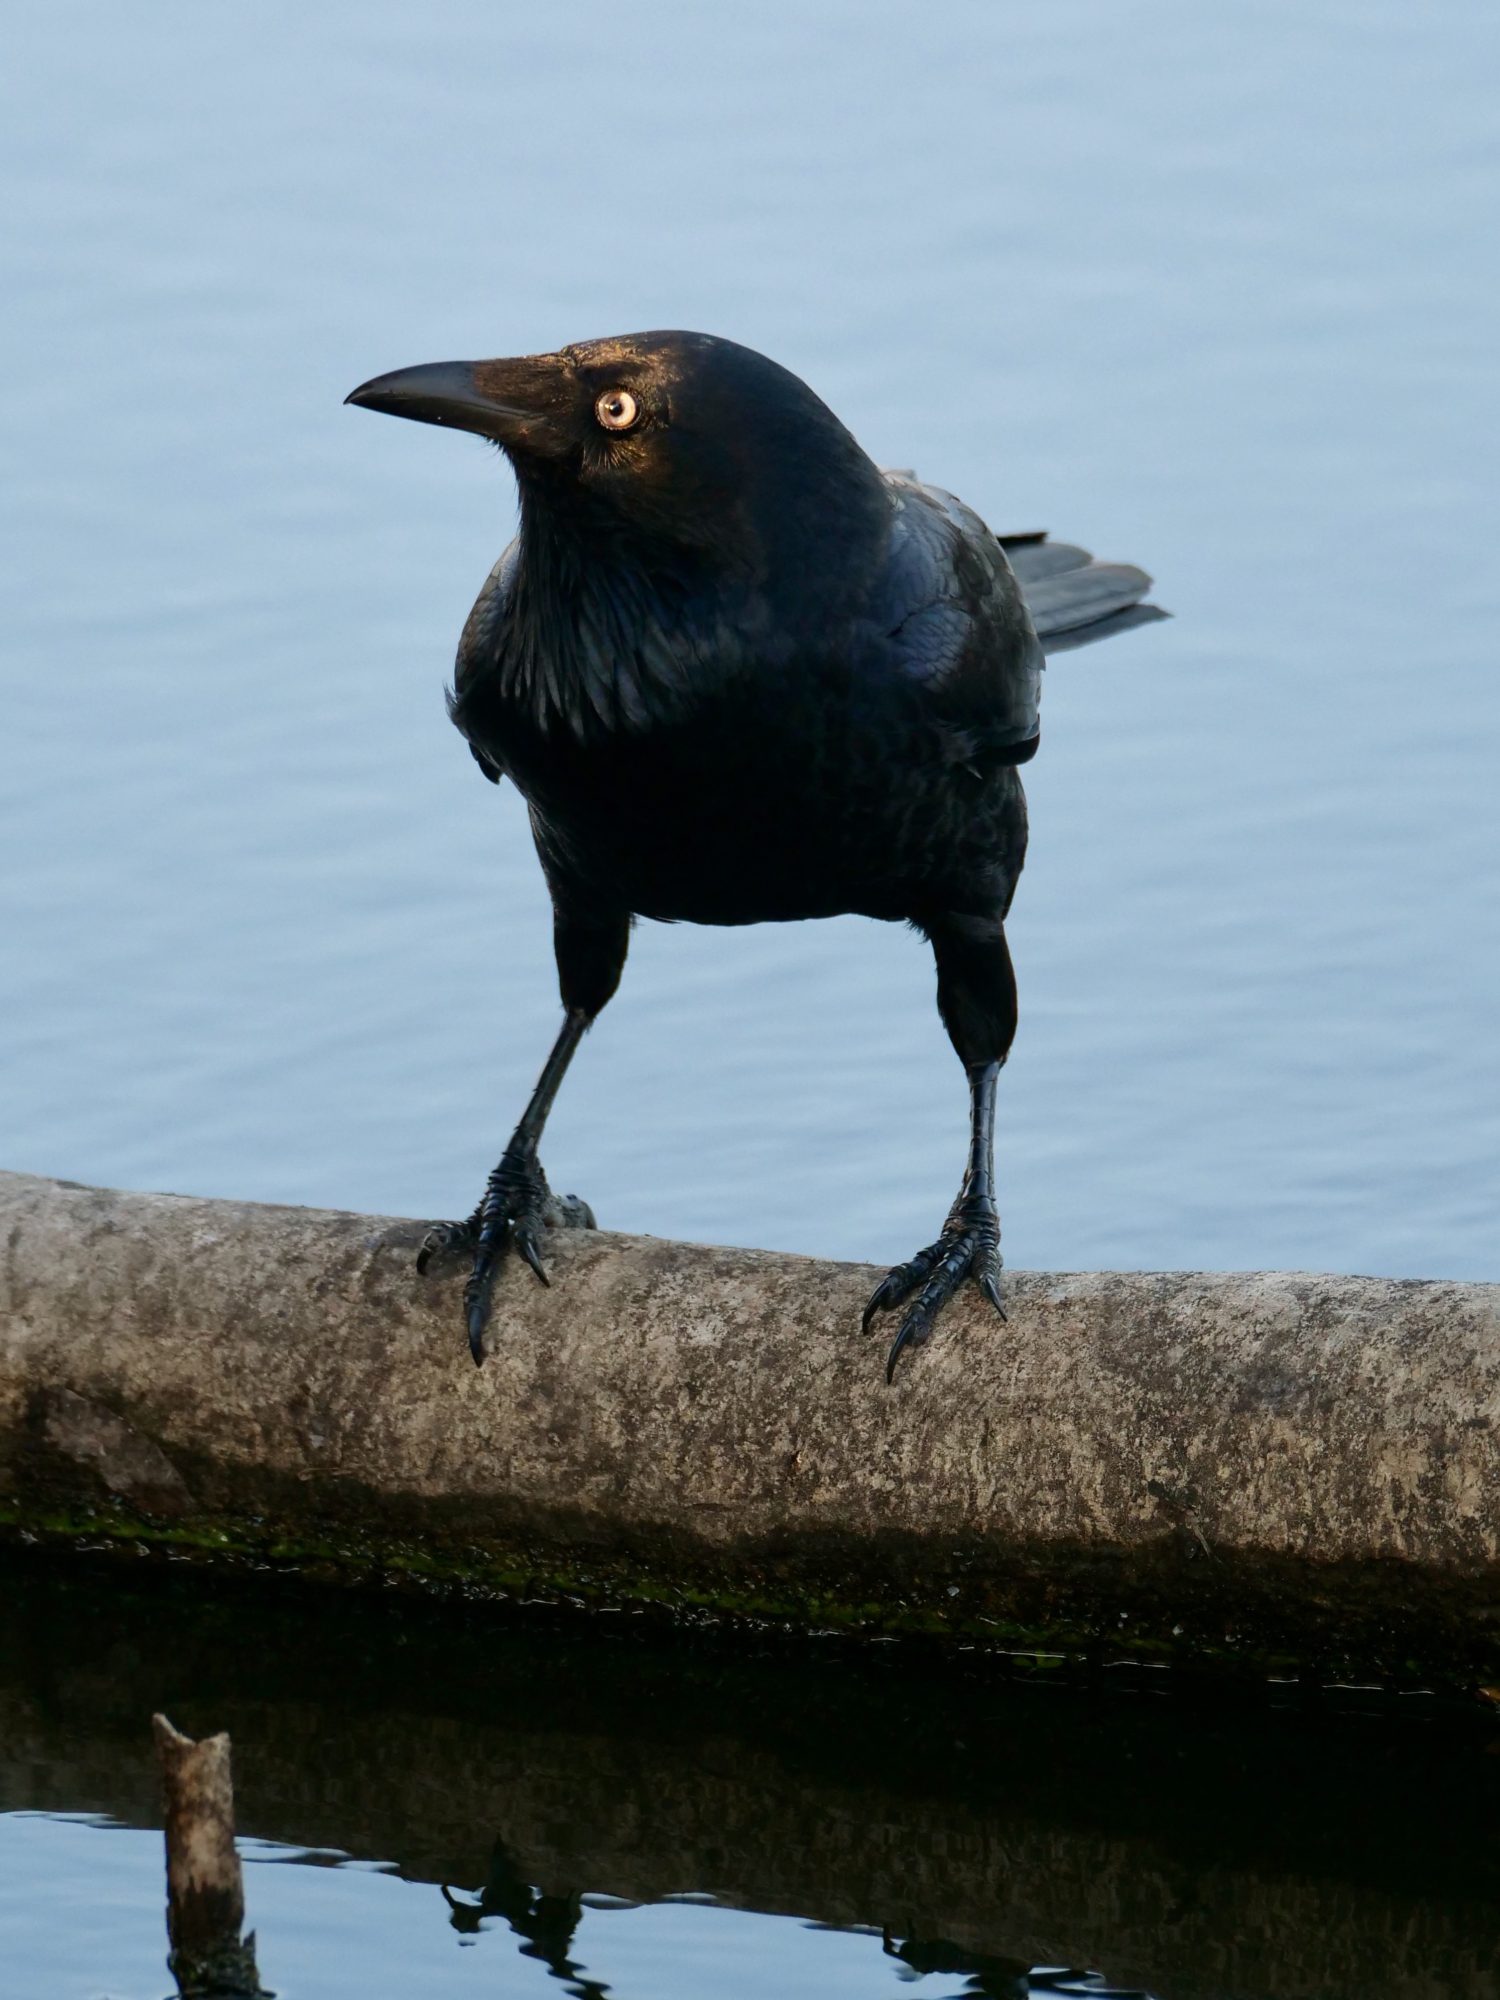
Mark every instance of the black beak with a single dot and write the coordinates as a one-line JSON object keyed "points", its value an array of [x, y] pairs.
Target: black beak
{"points": [[513, 403]]}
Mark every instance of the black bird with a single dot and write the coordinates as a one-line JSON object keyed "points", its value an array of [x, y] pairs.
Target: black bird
{"points": [[740, 675]]}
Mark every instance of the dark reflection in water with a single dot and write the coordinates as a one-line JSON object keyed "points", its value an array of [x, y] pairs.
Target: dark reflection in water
{"points": [[991, 1840], [991, 1978], [994, 1978], [546, 1925]]}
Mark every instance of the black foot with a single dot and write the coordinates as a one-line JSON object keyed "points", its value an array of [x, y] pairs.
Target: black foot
{"points": [[517, 1206], [969, 1247]]}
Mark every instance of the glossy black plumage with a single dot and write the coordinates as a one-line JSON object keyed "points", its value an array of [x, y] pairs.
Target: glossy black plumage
{"points": [[741, 675]]}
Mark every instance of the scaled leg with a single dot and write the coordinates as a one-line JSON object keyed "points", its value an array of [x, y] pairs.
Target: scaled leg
{"points": [[977, 1000], [517, 1203]]}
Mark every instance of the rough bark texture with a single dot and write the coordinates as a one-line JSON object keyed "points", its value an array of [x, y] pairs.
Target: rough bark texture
{"points": [[205, 1887], [1259, 1468]]}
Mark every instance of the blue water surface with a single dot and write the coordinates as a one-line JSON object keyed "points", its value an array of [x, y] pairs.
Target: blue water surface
{"points": [[1211, 289], [362, 1931]]}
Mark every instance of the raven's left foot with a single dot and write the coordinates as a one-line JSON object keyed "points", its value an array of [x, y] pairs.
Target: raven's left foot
{"points": [[516, 1207], [969, 1247]]}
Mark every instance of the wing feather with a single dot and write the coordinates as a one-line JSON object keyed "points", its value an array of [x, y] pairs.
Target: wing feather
{"points": [[952, 607]]}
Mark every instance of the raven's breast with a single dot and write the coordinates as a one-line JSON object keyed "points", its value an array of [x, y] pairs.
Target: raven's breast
{"points": [[671, 830], [768, 815]]}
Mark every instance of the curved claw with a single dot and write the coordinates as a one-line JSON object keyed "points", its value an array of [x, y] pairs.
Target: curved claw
{"points": [[477, 1315], [496, 1230], [989, 1284], [969, 1247], [899, 1284], [517, 1206], [948, 1274], [445, 1237], [887, 1293], [527, 1245]]}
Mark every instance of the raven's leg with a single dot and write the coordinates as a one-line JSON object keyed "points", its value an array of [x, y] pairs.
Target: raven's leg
{"points": [[977, 1000], [517, 1202]]}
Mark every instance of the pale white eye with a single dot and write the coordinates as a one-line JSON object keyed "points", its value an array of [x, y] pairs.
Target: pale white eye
{"points": [[617, 409]]}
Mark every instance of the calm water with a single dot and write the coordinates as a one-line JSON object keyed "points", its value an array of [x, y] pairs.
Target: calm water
{"points": [[687, 1826]]}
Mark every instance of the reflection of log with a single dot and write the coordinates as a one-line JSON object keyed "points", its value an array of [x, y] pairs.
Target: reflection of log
{"points": [[1236, 1468], [205, 1888], [1198, 1854]]}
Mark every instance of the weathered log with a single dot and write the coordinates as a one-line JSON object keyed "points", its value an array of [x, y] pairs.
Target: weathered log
{"points": [[205, 1885], [1282, 1472]]}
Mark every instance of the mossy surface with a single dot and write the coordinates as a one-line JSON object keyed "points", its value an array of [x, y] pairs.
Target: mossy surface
{"points": [[1225, 1627]]}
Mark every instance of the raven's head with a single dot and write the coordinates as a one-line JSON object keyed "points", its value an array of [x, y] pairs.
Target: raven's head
{"points": [[677, 440]]}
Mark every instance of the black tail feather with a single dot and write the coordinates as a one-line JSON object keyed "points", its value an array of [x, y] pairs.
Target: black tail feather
{"points": [[1074, 600]]}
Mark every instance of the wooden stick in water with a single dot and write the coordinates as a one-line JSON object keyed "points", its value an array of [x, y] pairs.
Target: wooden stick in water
{"points": [[205, 1886]]}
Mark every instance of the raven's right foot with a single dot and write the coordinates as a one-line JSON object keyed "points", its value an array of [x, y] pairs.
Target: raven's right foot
{"points": [[516, 1207]]}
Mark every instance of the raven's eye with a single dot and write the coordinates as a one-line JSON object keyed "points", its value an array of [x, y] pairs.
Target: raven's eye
{"points": [[617, 409]]}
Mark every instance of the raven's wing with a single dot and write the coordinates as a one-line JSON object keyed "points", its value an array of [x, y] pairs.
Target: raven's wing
{"points": [[949, 604], [491, 608], [1073, 599]]}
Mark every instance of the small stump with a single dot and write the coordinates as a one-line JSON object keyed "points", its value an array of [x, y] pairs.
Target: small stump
{"points": [[205, 1885]]}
